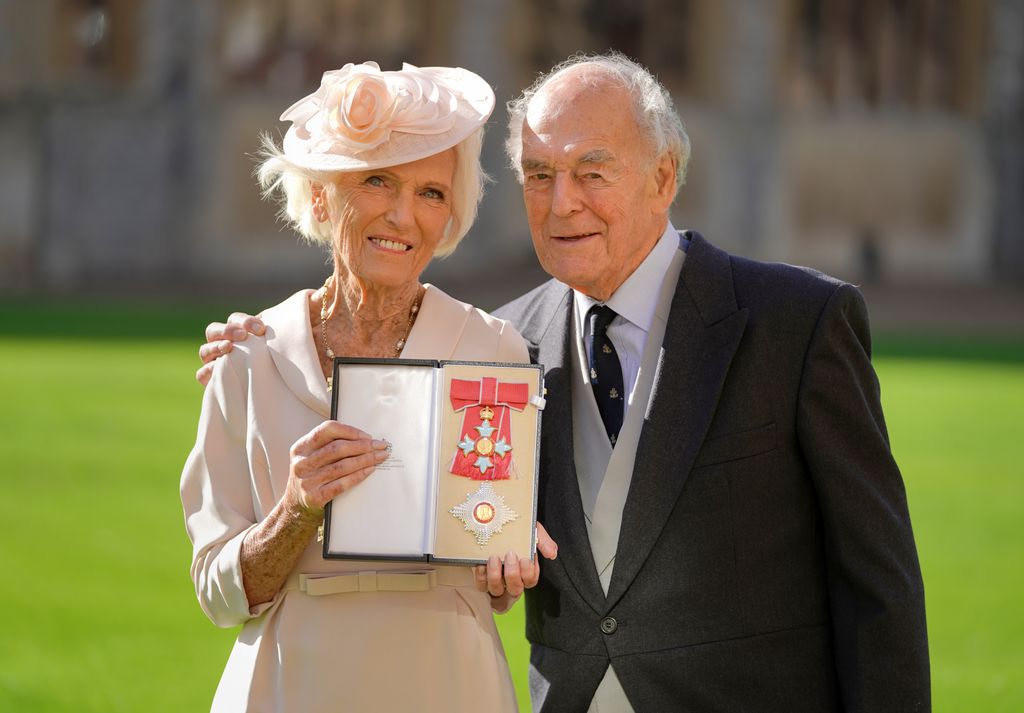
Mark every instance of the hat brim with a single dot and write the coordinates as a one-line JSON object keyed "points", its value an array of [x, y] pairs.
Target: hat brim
{"points": [[475, 104]]}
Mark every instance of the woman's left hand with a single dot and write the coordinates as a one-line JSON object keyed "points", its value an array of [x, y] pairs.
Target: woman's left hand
{"points": [[506, 579]]}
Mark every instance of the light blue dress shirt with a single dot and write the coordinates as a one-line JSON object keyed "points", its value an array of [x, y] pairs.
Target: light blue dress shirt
{"points": [[634, 302]]}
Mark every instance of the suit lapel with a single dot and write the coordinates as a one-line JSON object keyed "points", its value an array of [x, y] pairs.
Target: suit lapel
{"points": [[703, 332], [561, 509]]}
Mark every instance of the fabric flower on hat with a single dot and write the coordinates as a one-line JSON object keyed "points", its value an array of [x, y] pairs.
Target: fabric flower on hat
{"points": [[358, 106]]}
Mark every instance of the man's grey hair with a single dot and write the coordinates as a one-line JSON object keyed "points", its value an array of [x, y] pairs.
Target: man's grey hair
{"points": [[652, 106]]}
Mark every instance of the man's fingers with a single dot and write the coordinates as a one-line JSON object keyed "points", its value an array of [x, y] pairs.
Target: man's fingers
{"points": [[215, 331], [480, 577], [236, 329], [204, 374], [210, 351], [513, 576], [246, 323], [495, 582], [530, 572], [256, 326], [545, 545], [208, 354], [233, 331]]}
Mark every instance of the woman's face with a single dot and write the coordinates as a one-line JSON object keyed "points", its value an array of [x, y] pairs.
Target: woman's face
{"points": [[394, 219]]}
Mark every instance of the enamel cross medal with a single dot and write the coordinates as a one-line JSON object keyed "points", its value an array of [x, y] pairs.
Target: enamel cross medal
{"points": [[483, 447], [485, 451]]}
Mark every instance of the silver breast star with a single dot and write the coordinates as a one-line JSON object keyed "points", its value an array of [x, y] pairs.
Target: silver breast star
{"points": [[484, 513]]}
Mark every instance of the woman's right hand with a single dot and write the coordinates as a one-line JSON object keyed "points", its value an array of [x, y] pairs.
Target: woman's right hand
{"points": [[327, 461]]}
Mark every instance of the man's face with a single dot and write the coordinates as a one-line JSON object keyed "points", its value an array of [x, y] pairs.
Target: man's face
{"points": [[596, 199]]}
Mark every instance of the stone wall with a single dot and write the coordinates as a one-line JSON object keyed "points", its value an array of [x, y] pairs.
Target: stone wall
{"points": [[129, 128]]}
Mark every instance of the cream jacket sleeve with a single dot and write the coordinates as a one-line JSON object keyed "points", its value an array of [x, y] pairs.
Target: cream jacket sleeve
{"points": [[219, 510]]}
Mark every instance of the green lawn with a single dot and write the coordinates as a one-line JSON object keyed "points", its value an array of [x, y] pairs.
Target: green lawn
{"points": [[957, 429], [99, 611]]}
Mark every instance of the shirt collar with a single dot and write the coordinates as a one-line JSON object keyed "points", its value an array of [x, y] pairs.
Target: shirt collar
{"points": [[636, 299]]}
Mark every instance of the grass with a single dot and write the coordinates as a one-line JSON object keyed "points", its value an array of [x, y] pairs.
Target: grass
{"points": [[99, 610], [957, 428]]}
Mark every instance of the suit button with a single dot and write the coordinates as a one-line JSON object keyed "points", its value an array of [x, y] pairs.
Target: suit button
{"points": [[609, 625]]}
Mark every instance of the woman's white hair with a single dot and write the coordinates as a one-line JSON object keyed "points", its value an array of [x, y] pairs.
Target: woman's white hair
{"points": [[293, 185], [652, 106]]}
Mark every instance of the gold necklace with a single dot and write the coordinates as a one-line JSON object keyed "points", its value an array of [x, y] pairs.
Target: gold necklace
{"points": [[399, 345]]}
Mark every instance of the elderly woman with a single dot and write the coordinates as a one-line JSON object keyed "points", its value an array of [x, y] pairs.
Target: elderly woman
{"points": [[383, 168]]}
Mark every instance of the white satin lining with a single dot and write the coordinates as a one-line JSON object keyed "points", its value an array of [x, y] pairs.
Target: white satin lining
{"points": [[391, 512]]}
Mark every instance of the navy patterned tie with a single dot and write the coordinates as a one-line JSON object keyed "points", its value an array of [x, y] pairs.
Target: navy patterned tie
{"points": [[605, 371]]}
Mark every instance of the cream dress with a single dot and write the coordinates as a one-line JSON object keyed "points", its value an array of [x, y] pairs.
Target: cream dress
{"points": [[434, 650]]}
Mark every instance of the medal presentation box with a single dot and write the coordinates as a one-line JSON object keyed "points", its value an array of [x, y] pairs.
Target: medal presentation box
{"points": [[460, 480]]}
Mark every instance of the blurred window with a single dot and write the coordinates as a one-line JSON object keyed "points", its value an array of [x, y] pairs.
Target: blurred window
{"points": [[661, 34], [285, 44], [97, 40], [919, 55]]}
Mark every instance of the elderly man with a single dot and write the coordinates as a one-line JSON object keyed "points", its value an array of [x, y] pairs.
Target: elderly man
{"points": [[733, 531]]}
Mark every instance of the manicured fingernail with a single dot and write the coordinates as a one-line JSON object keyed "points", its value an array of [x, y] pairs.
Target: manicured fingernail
{"points": [[379, 445], [381, 456], [236, 333]]}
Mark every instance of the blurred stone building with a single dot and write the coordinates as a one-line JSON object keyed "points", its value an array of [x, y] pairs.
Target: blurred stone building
{"points": [[880, 140]]}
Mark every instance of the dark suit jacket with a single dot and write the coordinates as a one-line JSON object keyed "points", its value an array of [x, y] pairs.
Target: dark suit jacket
{"points": [[766, 560]]}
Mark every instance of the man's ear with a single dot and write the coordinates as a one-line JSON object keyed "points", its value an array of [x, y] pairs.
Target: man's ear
{"points": [[665, 180], [319, 200]]}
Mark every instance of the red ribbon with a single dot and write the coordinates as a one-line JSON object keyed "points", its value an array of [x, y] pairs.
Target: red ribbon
{"points": [[473, 396]]}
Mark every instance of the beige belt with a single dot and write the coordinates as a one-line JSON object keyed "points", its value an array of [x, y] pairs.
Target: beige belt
{"points": [[316, 585]]}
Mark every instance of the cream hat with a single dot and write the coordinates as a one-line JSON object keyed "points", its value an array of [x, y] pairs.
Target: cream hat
{"points": [[362, 118]]}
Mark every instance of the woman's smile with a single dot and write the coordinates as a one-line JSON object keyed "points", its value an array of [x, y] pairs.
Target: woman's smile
{"points": [[390, 245]]}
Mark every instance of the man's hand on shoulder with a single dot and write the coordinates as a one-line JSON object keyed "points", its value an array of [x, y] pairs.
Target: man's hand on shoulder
{"points": [[221, 337]]}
